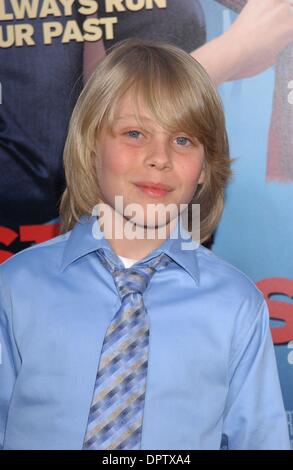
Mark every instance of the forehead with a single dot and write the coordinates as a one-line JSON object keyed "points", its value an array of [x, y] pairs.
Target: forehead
{"points": [[150, 106], [129, 108]]}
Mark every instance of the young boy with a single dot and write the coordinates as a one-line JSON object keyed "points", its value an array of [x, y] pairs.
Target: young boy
{"points": [[114, 336]]}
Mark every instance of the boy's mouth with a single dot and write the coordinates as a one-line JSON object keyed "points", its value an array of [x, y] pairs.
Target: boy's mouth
{"points": [[153, 189]]}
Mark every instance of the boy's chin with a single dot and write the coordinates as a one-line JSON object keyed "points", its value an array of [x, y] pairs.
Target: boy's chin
{"points": [[142, 223]]}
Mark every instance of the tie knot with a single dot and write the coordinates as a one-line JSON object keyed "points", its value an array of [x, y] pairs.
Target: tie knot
{"points": [[134, 279]]}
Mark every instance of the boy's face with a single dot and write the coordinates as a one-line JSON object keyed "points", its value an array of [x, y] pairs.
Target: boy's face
{"points": [[137, 155]]}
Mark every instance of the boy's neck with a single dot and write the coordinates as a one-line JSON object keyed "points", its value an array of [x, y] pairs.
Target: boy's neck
{"points": [[133, 248]]}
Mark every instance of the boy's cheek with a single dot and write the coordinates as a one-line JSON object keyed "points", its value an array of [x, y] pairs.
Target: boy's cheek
{"points": [[121, 164]]}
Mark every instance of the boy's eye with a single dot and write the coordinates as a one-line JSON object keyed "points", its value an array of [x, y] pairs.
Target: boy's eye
{"points": [[134, 134], [184, 141]]}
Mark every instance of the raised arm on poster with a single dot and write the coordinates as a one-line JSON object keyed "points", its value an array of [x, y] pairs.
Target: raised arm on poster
{"points": [[262, 30], [261, 36]]}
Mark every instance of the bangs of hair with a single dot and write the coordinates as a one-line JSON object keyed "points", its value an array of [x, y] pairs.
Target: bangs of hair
{"points": [[175, 99]]}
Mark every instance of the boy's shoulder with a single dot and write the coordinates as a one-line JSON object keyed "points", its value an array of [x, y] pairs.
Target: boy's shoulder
{"points": [[39, 256], [225, 276]]}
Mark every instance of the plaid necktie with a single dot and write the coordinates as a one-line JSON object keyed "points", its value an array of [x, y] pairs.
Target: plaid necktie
{"points": [[116, 413]]}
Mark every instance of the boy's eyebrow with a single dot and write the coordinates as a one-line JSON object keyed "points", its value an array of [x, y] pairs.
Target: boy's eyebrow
{"points": [[120, 118], [132, 116]]}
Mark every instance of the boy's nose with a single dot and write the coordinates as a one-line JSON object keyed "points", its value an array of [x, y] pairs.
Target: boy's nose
{"points": [[159, 154]]}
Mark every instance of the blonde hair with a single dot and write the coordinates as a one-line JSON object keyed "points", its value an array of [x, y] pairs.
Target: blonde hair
{"points": [[179, 94]]}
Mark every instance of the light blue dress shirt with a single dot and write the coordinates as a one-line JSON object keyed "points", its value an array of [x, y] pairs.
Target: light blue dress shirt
{"points": [[212, 373]]}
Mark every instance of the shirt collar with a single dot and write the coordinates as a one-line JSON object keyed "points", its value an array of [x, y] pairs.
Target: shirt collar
{"points": [[86, 237]]}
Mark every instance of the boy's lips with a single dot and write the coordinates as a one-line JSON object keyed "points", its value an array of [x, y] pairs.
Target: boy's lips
{"points": [[151, 184], [153, 189]]}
